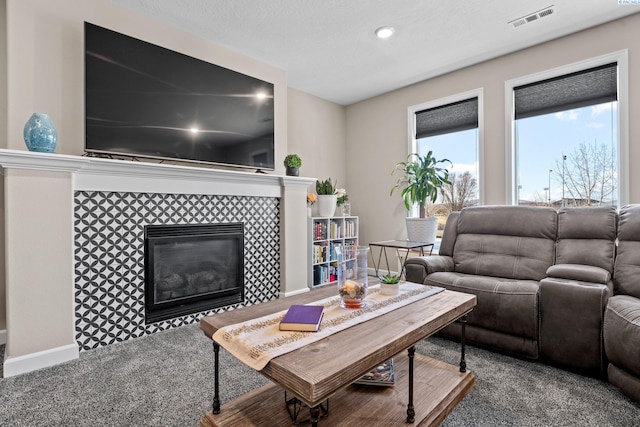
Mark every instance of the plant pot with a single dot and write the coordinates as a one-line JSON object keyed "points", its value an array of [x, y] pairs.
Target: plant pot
{"points": [[422, 229], [292, 171], [326, 205], [389, 288]]}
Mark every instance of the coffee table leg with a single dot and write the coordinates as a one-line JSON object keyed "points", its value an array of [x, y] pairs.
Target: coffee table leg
{"points": [[411, 413], [315, 415], [463, 363], [216, 388]]}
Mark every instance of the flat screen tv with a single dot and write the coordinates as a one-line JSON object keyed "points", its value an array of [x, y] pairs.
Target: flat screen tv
{"points": [[143, 100]]}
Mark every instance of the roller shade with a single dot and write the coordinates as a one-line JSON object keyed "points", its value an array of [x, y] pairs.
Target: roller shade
{"points": [[454, 117], [576, 90]]}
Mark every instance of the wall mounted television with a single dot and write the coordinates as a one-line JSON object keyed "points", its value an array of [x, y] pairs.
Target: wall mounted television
{"points": [[144, 100]]}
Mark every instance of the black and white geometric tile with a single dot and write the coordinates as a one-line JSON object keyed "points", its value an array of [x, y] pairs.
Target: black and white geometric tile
{"points": [[109, 256]]}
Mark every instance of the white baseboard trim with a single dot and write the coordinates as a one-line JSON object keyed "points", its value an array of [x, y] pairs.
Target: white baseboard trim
{"points": [[3, 336], [297, 292], [42, 359]]}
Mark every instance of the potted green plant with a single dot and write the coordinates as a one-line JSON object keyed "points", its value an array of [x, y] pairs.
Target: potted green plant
{"points": [[422, 178], [292, 162], [389, 284], [327, 198]]}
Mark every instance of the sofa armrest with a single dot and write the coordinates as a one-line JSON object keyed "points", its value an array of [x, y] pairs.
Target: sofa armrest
{"points": [[571, 322], [579, 272], [418, 268]]}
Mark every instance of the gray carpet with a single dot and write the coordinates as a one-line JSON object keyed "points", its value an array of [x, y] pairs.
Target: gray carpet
{"points": [[167, 380]]}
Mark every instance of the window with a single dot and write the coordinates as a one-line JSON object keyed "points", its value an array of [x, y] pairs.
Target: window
{"points": [[567, 148], [450, 128]]}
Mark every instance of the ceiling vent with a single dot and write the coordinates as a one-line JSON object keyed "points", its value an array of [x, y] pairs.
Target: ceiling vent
{"points": [[532, 17]]}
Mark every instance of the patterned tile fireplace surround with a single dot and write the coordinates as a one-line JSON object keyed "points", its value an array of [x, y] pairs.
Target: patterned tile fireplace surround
{"points": [[106, 204], [109, 255]]}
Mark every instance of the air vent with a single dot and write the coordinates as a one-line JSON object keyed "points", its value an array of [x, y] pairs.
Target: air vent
{"points": [[545, 12], [531, 17]]}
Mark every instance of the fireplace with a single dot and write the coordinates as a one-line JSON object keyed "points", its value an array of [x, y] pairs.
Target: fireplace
{"points": [[192, 268]]}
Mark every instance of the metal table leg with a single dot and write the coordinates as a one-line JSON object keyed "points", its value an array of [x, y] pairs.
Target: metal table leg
{"points": [[403, 260], [411, 413], [463, 363], [216, 387]]}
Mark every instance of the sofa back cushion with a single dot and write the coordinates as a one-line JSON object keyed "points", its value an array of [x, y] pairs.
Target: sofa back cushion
{"points": [[514, 242], [449, 234], [587, 235], [626, 274]]}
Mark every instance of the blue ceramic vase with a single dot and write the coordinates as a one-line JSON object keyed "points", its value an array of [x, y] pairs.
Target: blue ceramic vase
{"points": [[40, 134]]}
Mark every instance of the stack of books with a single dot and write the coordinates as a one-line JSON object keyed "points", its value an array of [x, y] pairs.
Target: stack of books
{"points": [[382, 375]]}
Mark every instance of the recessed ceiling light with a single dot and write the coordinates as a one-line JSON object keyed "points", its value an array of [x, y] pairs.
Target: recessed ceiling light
{"points": [[384, 32]]}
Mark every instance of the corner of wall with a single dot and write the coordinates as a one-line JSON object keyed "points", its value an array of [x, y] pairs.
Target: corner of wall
{"points": [[3, 298], [3, 73]]}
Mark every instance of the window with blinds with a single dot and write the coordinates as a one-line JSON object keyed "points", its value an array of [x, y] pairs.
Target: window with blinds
{"points": [[450, 118], [594, 86], [566, 139], [450, 131]]}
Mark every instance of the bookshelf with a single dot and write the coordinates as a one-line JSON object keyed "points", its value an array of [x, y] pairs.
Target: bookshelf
{"points": [[323, 236]]}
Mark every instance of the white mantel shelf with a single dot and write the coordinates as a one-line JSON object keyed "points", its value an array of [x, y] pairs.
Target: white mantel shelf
{"points": [[99, 174]]}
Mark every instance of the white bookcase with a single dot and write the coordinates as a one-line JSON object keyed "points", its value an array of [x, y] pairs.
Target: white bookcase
{"points": [[323, 236]]}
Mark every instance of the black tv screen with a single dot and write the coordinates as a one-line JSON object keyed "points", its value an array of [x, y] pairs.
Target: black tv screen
{"points": [[144, 100]]}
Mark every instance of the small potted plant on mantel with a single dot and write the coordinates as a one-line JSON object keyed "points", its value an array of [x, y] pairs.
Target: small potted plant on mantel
{"points": [[292, 162], [421, 180], [390, 284]]}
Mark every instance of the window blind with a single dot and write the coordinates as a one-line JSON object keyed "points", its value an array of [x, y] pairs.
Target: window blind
{"points": [[575, 90], [454, 117]]}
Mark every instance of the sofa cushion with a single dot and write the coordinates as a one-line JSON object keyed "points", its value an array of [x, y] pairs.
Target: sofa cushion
{"points": [[622, 333], [504, 305], [626, 276], [586, 235], [513, 242]]}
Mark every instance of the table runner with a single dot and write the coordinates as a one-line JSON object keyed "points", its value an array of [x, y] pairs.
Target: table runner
{"points": [[257, 341]]}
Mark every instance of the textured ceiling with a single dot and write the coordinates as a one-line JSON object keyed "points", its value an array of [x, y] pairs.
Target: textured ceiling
{"points": [[328, 47]]}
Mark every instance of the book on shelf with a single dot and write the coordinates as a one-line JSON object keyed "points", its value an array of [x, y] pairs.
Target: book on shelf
{"points": [[302, 318], [320, 231], [321, 274], [381, 375], [319, 253]]}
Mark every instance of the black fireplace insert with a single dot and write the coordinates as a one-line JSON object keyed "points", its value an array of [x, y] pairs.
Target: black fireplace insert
{"points": [[192, 268]]}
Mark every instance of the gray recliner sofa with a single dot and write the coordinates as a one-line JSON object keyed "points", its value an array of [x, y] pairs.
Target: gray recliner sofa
{"points": [[500, 254], [622, 315], [562, 286]]}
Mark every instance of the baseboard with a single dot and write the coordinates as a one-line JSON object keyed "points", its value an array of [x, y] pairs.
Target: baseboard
{"points": [[3, 337], [42, 359], [292, 293]]}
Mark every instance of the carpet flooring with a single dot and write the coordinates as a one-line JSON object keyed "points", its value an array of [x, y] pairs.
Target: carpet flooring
{"points": [[166, 379]]}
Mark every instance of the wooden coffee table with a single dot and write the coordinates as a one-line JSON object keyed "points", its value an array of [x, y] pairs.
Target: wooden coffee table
{"points": [[426, 390]]}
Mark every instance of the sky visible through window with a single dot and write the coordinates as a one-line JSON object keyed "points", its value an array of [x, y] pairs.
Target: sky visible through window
{"points": [[459, 147], [542, 141]]}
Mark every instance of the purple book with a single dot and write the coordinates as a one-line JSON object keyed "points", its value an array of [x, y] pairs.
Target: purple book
{"points": [[302, 318]]}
